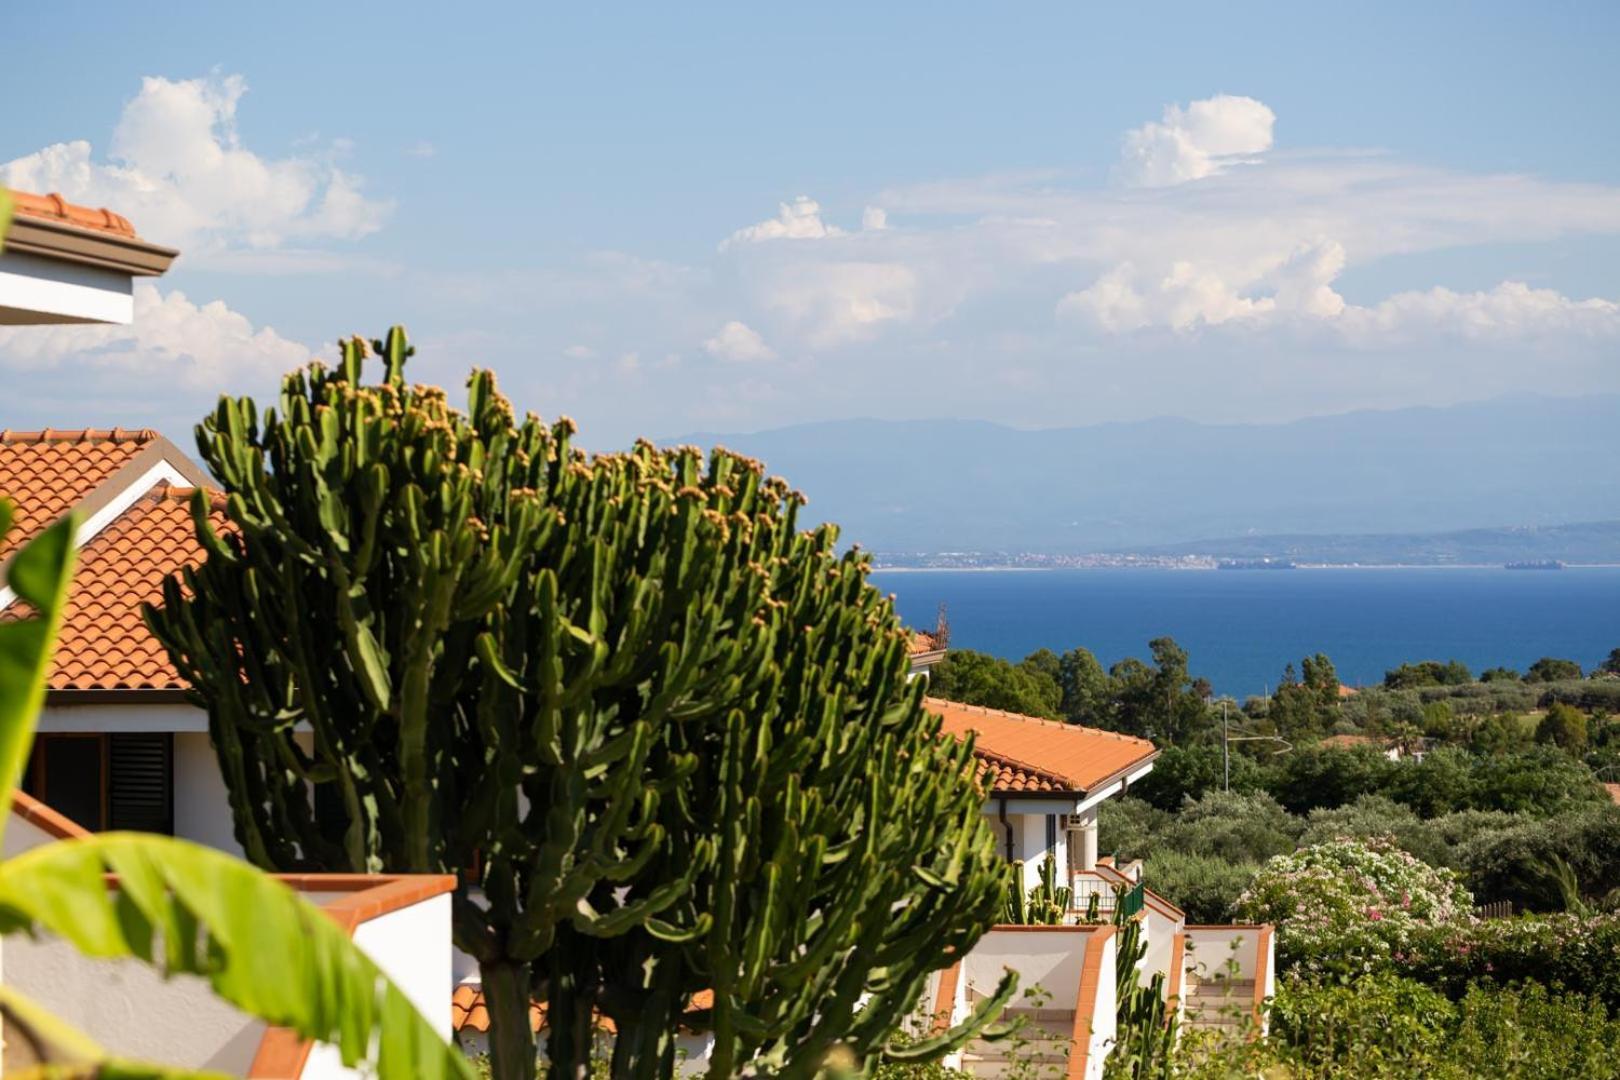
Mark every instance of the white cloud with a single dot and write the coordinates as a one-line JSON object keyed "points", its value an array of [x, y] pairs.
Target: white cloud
{"points": [[737, 342], [838, 301], [177, 169], [1512, 310], [1199, 140], [798, 220], [874, 219], [422, 149], [172, 343]]}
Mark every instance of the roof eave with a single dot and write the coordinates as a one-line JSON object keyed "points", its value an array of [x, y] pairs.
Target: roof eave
{"points": [[91, 247], [1120, 775]]}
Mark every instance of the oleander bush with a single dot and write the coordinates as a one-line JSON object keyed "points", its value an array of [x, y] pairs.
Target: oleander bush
{"points": [[1347, 906]]}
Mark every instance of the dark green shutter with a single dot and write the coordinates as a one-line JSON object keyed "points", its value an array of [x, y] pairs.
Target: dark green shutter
{"points": [[141, 785]]}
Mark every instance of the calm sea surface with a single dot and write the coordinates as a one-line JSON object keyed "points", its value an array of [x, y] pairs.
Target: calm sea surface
{"points": [[1241, 627]]}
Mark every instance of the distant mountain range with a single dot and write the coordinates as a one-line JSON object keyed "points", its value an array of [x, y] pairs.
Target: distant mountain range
{"points": [[1466, 471]]}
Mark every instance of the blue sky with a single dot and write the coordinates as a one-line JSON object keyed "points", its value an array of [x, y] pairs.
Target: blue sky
{"points": [[665, 219]]}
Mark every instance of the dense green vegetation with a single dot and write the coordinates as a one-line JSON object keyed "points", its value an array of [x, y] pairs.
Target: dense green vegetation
{"points": [[1371, 827]]}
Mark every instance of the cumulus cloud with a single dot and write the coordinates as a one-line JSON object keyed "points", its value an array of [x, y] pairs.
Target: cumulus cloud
{"points": [[177, 168], [1298, 292], [874, 219], [173, 342], [1512, 310], [1196, 140], [797, 220], [738, 343]]}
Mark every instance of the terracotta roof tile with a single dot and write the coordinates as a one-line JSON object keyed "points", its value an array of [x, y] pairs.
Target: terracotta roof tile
{"points": [[924, 642], [47, 473], [53, 207], [1022, 754], [104, 643]]}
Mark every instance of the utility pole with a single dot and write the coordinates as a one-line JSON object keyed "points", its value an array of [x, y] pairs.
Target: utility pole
{"points": [[1226, 758]]}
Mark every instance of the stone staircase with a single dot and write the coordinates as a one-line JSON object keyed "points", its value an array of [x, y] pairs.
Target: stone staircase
{"points": [[1220, 1004], [1039, 1050]]}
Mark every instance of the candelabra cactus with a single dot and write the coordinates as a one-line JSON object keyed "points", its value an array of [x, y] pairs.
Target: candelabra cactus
{"points": [[1046, 904], [665, 734]]}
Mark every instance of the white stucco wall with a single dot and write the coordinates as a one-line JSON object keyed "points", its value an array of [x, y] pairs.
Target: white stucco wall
{"points": [[1104, 1021], [23, 835], [1161, 931], [1222, 951], [37, 290], [129, 1008], [399, 944], [202, 809], [1048, 958]]}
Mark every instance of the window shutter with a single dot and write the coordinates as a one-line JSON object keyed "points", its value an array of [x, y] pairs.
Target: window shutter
{"points": [[141, 786]]}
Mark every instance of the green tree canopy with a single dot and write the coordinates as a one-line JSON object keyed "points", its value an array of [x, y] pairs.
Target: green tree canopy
{"points": [[1552, 669], [1564, 726], [975, 678]]}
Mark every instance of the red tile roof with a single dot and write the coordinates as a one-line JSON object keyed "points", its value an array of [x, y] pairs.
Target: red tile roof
{"points": [[924, 642], [104, 643], [53, 207], [46, 473], [1024, 755]]}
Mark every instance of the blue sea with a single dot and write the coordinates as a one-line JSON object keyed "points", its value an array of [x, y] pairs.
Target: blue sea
{"points": [[1241, 627]]}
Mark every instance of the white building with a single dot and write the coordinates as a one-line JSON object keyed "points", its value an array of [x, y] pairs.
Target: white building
{"points": [[72, 264]]}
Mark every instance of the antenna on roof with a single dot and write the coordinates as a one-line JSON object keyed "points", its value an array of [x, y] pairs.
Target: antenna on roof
{"points": [[942, 629]]}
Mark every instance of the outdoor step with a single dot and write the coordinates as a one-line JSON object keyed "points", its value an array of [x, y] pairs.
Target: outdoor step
{"points": [[1056, 1049], [1020, 1064]]}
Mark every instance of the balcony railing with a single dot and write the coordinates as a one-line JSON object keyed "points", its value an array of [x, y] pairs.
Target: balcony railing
{"points": [[1109, 896]]}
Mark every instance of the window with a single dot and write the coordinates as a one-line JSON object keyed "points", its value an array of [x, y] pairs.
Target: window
{"points": [[106, 781]]}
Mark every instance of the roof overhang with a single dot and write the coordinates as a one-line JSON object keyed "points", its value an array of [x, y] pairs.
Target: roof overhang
{"points": [[53, 272], [1081, 800]]}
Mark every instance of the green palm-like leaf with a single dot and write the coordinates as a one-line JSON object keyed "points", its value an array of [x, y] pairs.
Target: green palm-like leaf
{"points": [[39, 575], [179, 906], [185, 908]]}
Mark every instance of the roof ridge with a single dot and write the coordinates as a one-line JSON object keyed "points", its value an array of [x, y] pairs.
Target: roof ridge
{"points": [[1039, 770], [1061, 725], [74, 435], [53, 207], [169, 491]]}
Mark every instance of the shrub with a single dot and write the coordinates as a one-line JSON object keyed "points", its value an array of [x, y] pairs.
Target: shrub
{"points": [[1372, 817], [1230, 825], [1204, 886], [1577, 953], [1564, 726], [1387, 1026], [1594, 695], [1347, 906], [1514, 863], [1181, 772], [1330, 777], [1552, 669], [1375, 1021], [1126, 827]]}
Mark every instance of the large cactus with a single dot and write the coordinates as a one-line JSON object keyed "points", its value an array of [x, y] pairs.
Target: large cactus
{"points": [[665, 734]]}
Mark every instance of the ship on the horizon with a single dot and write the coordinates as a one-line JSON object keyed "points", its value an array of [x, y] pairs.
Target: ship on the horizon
{"points": [[1534, 564]]}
